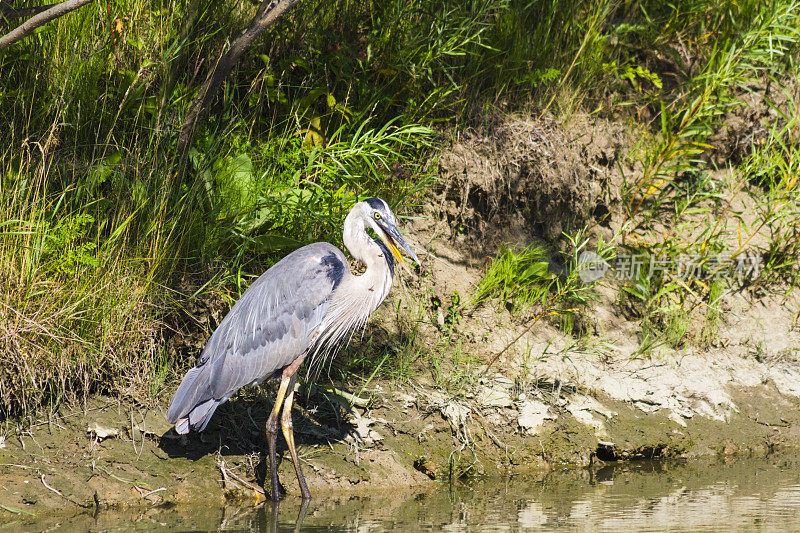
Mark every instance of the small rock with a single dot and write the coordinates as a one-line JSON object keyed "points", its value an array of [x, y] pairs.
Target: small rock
{"points": [[362, 433], [677, 418], [532, 415], [457, 414], [786, 378], [587, 403], [582, 407], [586, 418], [406, 399], [436, 399], [646, 407], [424, 434], [101, 432], [426, 466], [494, 397]]}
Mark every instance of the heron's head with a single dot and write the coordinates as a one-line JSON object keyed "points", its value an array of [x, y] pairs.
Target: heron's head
{"points": [[378, 216]]}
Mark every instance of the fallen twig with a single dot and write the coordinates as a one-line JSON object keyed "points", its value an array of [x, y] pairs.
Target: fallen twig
{"points": [[27, 27], [768, 424], [225, 479], [146, 494], [255, 488], [83, 506]]}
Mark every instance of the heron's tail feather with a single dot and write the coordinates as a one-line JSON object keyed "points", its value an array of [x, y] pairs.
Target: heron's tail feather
{"points": [[198, 418], [193, 404]]}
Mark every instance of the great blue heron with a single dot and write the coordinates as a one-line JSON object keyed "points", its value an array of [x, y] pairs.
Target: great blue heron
{"points": [[301, 307]]}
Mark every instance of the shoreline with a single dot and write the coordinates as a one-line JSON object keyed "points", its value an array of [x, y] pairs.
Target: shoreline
{"points": [[114, 455]]}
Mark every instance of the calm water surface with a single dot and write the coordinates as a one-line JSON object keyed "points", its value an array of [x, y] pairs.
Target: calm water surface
{"points": [[744, 495]]}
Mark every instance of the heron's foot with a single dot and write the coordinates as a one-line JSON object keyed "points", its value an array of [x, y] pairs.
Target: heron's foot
{"points": [[260, 496]]}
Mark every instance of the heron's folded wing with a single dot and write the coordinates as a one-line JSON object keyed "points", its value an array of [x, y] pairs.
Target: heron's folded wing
{"points": [[273, 323]]}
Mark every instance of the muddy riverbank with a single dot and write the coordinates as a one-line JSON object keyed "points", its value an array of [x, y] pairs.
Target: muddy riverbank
{"points": [[405, 437]]}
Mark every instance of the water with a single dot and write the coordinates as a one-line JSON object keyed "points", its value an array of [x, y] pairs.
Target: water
{"points": [[744, 495]]}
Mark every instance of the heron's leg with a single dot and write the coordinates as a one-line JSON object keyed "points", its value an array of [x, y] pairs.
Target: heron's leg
{"points": [[288, 433], [272, 434], [274, 508], [301, 515]]}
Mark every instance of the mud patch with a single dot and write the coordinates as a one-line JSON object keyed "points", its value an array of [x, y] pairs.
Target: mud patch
{"points": [[524, 177]]}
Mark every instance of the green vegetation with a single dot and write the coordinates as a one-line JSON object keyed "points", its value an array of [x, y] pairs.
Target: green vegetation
{"points": [[107, 242], [519, 278], [523, 280], [721, 213], [724, 208]]}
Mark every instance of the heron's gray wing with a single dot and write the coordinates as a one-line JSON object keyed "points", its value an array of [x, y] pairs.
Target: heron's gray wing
{"points": [[274, 322]]}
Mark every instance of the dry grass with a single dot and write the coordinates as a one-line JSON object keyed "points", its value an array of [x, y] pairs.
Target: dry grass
{"points": [[61, 340]]}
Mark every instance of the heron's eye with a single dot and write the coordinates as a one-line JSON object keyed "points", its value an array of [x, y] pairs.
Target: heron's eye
{"points": [[377, 216]]}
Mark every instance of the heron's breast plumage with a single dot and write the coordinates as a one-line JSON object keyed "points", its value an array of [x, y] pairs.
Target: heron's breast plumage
{"points": [[350, 307]]}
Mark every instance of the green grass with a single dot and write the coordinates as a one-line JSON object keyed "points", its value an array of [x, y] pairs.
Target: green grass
{"points": [[526, 281], [518, 278], [104, 238]]}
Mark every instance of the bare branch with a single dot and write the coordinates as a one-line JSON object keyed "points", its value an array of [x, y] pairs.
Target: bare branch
{"points": [[9, 12], [268, 12], [58, 10]]}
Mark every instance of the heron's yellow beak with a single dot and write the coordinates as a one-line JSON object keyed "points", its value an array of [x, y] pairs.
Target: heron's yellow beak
{"points": [[396, 253], [395, 242]]}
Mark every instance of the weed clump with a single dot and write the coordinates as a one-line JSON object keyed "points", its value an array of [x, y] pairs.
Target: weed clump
{"points": [[518, 277]]}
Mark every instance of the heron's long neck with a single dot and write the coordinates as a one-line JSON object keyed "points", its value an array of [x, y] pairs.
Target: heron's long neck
{"points": [[357, 297], [374, 284]]}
